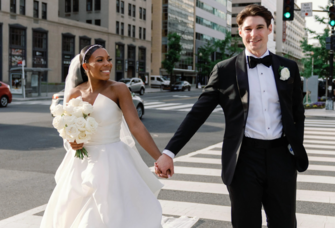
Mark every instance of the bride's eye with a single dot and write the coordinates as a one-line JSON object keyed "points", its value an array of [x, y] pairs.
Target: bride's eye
{"points": [[110, 60], [99, 60]]}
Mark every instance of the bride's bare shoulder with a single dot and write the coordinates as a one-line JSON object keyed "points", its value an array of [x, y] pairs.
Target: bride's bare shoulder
{"points": [[76, 92], [118, 86]]}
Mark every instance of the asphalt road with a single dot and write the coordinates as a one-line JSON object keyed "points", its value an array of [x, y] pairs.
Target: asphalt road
{"points": [[31, 150]]}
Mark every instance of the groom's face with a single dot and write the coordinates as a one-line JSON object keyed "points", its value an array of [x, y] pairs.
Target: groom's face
{"points": [[254, 32]]}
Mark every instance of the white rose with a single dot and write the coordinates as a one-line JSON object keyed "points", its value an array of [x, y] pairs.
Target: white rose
{"points": [[58, 122], [64, 135], [91, 124], [76, 102], [72, 130], [69, 120], [80, 122], [69, 110], [83, 137], [77, 112], [284, 74], [57, 110], [87, 108]]}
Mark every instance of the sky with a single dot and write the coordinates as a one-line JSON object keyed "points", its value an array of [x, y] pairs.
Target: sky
{"points": [[310, 21]]}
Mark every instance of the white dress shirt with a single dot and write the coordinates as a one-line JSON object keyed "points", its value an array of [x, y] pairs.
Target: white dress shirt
{"points": [[264, 116]]}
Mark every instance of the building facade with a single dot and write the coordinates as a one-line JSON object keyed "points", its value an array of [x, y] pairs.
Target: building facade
{"points": [[170, 16], [213, 20], [289, 34], [239, 5], [33, 31]]}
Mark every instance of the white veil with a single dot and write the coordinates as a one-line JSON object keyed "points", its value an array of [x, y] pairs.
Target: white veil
{"points": [[73, 79]]}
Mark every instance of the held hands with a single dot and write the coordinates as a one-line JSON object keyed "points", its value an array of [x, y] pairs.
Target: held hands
{"points": [[164, 166]]}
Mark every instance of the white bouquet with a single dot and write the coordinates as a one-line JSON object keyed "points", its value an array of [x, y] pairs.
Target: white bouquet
{"points": [[74, 123]]}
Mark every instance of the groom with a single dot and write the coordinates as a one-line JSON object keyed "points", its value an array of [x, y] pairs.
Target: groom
{"points": [[260, 95]]}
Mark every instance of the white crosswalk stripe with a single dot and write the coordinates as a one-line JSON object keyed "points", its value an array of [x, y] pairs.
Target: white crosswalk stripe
{"points": [[39, 102]]}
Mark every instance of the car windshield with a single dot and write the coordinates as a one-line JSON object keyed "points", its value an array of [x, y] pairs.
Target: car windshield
{"points": [[125, 80]]}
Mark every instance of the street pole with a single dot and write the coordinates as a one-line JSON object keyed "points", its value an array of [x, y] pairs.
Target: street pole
{"points": [[329, 101]]}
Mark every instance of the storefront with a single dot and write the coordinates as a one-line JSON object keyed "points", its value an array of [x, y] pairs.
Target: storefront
{"points": [[68, 42], [119, 61]]}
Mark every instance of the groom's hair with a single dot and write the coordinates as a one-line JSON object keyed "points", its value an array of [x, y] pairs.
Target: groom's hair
{"points": [[254, 10]]}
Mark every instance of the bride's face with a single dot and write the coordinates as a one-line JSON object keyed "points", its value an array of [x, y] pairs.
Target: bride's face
{"points": [[99, 64]]}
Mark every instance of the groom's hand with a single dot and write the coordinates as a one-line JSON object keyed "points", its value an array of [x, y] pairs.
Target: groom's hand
{"points": [[164, 166]]}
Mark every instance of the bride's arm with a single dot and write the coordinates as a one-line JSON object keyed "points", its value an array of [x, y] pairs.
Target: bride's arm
{"points": [[135, 125]]}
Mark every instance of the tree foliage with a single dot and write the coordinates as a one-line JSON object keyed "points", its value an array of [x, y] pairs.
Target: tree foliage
{"points": [[173, 54], [228, 47]]}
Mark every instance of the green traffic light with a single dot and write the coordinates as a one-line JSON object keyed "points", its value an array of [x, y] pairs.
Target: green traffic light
{"points": [[287, 15], [332, 23]]}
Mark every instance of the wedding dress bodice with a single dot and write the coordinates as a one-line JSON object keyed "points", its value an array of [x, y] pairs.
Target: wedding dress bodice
{"points": [[109, 117]]}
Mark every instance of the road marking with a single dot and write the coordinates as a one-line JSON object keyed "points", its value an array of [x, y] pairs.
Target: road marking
{"points": [[152, 103], [176, 107], [160, 105]]}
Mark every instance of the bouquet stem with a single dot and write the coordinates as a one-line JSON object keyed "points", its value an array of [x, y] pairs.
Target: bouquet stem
{"points": [[80, 153]]}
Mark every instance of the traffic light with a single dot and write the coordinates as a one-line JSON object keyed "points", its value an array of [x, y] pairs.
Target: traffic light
{"points": [[332, 16], [288, 10]]}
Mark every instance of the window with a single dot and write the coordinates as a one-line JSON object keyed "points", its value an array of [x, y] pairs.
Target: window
{"points": [[83, 42], [98, 22], [134, 11], [140, 33], [117, 27], [36, 9], [118, 6], [17, 46], [144, 14], [129, 30], [140, 12], [119, 61], [129, 9], [75, 5], [67, 6], [144, 35], [134, 32], [122, 7], [122, 28], [13, 6], [100, 42], [88, 5], [44, 11], [97, 5], [23, 7], [39, 49], [89, 21], [67, 53]]}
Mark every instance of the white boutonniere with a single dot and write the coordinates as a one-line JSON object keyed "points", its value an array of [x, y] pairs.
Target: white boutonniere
{"points": [[284, 73]]}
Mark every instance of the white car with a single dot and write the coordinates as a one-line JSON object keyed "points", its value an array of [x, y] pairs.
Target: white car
{"points": [[158, 81], [135, 85]]}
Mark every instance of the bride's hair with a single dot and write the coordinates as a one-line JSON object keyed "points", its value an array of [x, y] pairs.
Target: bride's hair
{"points": [[85, 55]]}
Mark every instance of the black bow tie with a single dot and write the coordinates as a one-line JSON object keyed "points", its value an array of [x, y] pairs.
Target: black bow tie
{"points": [[267, 61]]}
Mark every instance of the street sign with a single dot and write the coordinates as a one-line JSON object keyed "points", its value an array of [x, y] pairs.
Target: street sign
{"points": [[307, 9]]}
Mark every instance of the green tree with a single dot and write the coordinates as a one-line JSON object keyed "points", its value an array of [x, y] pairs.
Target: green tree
{"points": [[228, 47], [173, 54]]}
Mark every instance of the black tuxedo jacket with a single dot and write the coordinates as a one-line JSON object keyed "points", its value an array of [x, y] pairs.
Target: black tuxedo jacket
{"points": [[228, 86]]}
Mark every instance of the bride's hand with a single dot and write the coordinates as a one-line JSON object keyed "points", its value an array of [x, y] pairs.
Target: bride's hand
{"points": [[76, 146]]}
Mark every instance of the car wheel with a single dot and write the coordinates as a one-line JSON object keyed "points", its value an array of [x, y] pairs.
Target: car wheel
{"points": [[182, 89], [142, 91], [3, 101], [140, 110], [189, 88]]}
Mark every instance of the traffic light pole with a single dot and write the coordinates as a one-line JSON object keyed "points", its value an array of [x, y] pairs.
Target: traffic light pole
{"points": [[330, 89]]}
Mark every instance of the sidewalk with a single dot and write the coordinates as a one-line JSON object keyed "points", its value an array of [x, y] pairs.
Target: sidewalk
{"points": [[320, 113], [49, 95]]}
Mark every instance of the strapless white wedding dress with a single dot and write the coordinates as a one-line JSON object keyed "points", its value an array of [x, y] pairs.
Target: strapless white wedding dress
{"points": [[112, 188]]}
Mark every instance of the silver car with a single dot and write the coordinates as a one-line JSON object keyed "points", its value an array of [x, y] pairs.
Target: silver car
{"points": [[135, 85], [58, 98]]}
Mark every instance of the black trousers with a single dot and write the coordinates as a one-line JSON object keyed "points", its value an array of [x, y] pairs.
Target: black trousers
{"points": [[266, 176]]}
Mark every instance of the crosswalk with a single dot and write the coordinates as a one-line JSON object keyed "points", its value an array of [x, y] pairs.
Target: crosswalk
{"points": [[196, 189], [38, 102]]}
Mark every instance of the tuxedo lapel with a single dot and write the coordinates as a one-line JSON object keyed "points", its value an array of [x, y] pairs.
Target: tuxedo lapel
{"points": [[242, 78]]}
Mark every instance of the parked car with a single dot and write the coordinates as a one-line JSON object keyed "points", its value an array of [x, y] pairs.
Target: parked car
{"points": [[5, 94], [158, 81], [182, 85], [58, 98], [135, 85]]}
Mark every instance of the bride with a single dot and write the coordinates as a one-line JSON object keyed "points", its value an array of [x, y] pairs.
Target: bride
{"points": [[113, 187]]}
